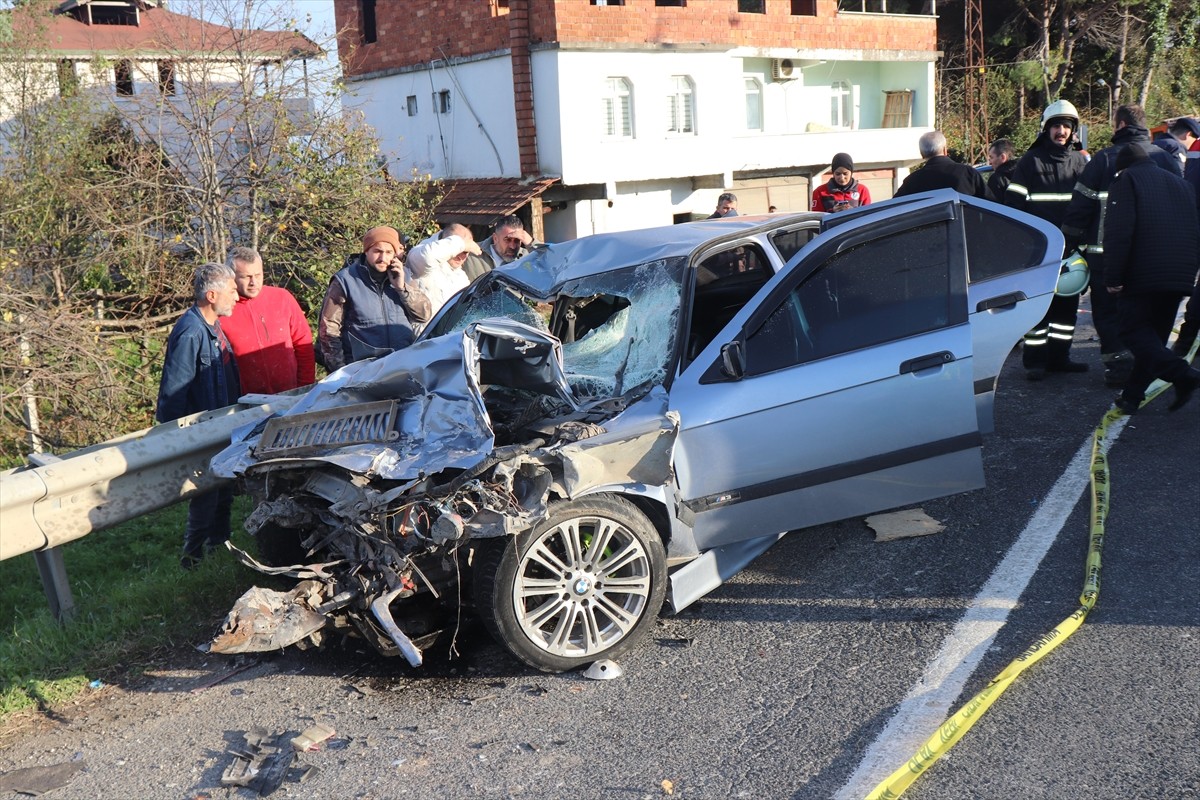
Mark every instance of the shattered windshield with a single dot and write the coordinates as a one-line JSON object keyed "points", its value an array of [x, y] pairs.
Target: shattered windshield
{"points": [[617, 328]]}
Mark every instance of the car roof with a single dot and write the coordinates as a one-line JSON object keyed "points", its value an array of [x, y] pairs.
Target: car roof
{"points": [[553, 264]]}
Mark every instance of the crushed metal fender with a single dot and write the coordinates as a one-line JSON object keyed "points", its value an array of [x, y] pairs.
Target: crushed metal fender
{"points": [[263, 620]]}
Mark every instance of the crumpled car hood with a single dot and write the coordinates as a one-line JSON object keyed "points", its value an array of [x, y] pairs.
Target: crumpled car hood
{"points": [[442, 422]]}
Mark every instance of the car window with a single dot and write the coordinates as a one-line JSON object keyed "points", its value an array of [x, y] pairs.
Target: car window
{"points": [[788, 243], [624, 330], [725, 282], [998, 245], [888, 288], [617, 328]]}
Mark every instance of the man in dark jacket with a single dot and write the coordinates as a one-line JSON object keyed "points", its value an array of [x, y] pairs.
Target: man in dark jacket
{"points": [[1002, 158], [1081, 226], [508, 242], [200, 374], [1187, 131], [726, 207], [368, 307], [1041, 185], [1152, 255], [940, 172]]}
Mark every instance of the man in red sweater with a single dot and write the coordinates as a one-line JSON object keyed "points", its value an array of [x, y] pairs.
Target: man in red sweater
{"points": [[269, 334]]}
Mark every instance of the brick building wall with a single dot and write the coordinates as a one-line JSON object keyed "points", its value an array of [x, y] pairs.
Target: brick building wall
{"points": [[418, 31]]}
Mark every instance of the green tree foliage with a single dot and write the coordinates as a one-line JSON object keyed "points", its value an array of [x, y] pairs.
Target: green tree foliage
{"points": [[1097, 54]]}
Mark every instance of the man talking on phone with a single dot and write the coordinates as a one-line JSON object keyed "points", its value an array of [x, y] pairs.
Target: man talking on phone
{"points": [[369, 309]]}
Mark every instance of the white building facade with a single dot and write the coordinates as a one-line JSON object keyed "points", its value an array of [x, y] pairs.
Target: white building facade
{"points": [[641, 134]]}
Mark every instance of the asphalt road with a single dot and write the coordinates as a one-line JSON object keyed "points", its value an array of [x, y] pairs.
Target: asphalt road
{"points": [[778, 684]]}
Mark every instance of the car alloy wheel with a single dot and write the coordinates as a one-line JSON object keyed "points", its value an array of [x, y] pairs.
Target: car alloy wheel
{"points": [[585, 584]]}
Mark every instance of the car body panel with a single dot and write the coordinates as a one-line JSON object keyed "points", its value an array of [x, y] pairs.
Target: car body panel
{"points": [[756, 453]]}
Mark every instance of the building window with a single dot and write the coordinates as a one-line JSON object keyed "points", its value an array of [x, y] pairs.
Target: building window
{"points": [[117, 14], [370, 31], [674, 3], [123, 76], [681, 106], [68, 78], [166, 77], [752, 6], [841, 105], [441, 102], [499, 7], [917, 7], [618, 108], [608, 2], [754, 104], [804, 8], [412, 105]]}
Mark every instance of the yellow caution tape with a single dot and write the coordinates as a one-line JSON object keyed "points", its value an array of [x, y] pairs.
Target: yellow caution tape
{"points": [[953, 729]]}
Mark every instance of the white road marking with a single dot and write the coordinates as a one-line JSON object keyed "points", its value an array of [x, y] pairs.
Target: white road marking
{"points": [[927, 704]]}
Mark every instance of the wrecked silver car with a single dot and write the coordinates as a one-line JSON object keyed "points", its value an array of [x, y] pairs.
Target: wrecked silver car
{"points": [[627, 419]]}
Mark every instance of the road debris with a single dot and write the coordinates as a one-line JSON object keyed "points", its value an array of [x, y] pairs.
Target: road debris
{"points": [[904, 524], [39, 780], [312, 737], [224, 676], [261, 764]]}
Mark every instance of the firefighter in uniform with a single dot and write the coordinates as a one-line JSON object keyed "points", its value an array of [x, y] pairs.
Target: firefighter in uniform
{"points": [[1041, 185], [1083, 227]]}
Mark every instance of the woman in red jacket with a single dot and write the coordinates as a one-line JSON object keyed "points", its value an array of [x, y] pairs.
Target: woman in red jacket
{"points": [[843, 190]]}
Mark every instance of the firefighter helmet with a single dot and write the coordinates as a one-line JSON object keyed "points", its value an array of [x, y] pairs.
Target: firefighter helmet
{"points": [[1072, 276], [1061, 108]]}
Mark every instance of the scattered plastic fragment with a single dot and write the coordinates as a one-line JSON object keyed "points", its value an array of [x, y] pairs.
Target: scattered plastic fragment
{"points": [[312, 737], [681, 641], [96, 684], [261, 764]]}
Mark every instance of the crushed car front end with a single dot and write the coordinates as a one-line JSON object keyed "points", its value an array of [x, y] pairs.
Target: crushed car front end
{"points": [[395, 481]]}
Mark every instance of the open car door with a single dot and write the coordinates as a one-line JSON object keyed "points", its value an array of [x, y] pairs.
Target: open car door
{"points": [[845, 386], [1013, 261]]}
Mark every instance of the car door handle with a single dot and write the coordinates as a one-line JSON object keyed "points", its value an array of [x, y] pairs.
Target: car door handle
{"points": [[1009, 300], [926, 362]]}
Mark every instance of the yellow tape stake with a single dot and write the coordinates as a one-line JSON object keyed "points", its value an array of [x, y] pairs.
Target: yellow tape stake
{"points": [[953, 729]]}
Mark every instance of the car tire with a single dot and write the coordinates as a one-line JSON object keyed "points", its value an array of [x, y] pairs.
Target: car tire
{"points": [[565, 618]]}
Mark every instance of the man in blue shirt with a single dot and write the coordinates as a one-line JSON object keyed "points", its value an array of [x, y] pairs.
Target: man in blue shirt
{"points": [[200, 374]]}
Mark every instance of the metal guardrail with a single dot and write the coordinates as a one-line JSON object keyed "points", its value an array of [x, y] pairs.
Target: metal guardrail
{"points": [[88, 490]]}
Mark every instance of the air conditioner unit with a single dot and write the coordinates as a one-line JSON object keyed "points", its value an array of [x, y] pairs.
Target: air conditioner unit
{"points": [[784, 69]]}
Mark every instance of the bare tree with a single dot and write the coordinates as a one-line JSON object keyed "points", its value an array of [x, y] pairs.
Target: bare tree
{"points": [[1060, 27], [105, 207]]}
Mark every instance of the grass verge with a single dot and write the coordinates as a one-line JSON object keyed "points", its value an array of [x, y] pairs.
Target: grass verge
{"points": [[131, 598]]}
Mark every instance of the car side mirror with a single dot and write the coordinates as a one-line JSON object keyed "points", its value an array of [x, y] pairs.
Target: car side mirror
{"points": [[733, 360]]}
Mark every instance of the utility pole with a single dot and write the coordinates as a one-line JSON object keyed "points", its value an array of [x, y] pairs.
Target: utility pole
{"points": [[975, 83]]}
